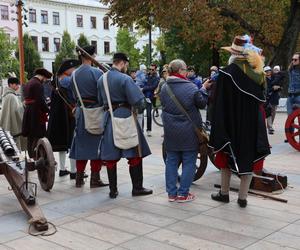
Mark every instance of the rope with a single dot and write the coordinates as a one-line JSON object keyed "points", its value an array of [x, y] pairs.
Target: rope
{"points": [[41, 233]]}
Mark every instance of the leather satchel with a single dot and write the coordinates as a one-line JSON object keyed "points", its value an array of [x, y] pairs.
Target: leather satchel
{"points": [[200, 132]]}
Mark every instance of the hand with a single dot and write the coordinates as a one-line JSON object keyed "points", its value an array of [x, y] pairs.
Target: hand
{"points": [[207, 84], [275, 87]]}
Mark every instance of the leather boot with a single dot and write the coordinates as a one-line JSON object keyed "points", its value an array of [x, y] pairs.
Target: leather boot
{"points": [[79, 179], [96, 181], [112, 177], [136, 174]]}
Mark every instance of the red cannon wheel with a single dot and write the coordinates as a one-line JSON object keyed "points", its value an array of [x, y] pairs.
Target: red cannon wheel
{"points": [[292, 129]]}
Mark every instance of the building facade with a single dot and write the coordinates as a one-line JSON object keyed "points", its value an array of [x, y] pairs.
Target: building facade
{"points": [[48, 19], [7, 18]]}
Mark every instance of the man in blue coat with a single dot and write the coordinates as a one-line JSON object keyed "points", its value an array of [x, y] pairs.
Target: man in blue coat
{"points": [[125, 97], [85, 145]]}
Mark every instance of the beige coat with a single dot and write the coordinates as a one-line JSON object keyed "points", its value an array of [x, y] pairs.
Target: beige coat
{"points": [[12, 115]]}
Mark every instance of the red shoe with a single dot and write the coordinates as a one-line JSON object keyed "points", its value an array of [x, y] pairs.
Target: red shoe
{"points": [[182, 199], [172, 198]]}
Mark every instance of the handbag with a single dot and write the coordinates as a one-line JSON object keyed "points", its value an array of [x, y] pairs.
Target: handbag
{"points": [[200, 132], [93, 117], [125, 133]]}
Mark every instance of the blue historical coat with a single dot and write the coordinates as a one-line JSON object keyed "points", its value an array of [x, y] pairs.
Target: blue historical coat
{"points": [[85, 145], [122, 90], [179, 134]]}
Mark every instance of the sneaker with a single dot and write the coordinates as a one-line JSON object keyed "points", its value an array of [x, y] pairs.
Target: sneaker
{"points": [[172, 198], [182, 199]]}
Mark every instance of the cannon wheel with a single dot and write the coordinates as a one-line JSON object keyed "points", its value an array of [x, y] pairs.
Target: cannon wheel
{"points": [[46, 173], [292, 129], [201, 164]]}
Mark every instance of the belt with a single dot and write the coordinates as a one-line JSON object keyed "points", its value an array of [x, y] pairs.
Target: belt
{"points": [[294, 94], [29, 101], [118, 105]]}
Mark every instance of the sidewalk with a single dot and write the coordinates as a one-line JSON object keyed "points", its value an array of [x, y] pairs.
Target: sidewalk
{"points": [[88, 219]]}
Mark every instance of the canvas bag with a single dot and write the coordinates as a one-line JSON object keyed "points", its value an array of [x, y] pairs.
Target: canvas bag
{"points": [[125, 133], [93, 117]]}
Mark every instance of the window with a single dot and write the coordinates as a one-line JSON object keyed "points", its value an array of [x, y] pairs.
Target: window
{"points": [[45, 44], [55, 18], [93, 22], [44, 16], [32, 15], [106, 23], [4, 12], [106, 48], [35, 41], [79, 20], [94, 43], [56, 44]]}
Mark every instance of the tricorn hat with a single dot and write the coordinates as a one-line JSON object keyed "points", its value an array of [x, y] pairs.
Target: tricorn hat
{"points": [[43, 72], [67, 64], [120, 56], [90, 49], [237, 46], [12, 80]]}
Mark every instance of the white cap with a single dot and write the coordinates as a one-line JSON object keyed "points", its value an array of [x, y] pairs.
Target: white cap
{"points": [[276, 68], [267, 68], [143, 67]]}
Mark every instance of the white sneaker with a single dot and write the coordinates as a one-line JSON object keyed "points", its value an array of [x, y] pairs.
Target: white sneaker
{"points": [[149, 133]]}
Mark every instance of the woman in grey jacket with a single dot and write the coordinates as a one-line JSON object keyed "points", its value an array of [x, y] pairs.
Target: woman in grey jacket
{"points": [[180, 140]]}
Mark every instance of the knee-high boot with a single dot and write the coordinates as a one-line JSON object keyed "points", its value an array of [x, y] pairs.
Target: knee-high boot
{"points": [[136, 174], [112, 177]]}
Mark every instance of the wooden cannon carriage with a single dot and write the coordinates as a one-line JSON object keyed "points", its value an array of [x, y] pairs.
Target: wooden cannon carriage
{"points": [[292, 128], [15, 168]]}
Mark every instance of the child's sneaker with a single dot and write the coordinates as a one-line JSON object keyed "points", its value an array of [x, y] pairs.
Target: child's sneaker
{"points": [[172, 198], [189, 197]]}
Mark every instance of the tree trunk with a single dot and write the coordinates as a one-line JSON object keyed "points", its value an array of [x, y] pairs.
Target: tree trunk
{"points": [[284, 52]]}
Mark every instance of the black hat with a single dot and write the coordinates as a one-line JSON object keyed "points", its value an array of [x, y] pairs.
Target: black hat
{"points": [[12, 80], [90, 49], [43, 72], [120, 56], [67, 64]]}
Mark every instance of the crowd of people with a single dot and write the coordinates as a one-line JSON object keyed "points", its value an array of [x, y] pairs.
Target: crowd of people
{"points": [[241, 101]]}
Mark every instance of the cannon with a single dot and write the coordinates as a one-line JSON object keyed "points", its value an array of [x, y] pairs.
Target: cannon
{"points": [[292, 127], [15, 167]]}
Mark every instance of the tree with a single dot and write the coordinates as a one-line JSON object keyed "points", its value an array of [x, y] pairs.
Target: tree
{"points": [[8, 62], [125, 44], [82, 41], [32, 57], [67, 51], [274, 24]]}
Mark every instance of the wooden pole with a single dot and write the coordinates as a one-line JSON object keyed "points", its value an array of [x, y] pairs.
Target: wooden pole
{"points": [[20, 41]]}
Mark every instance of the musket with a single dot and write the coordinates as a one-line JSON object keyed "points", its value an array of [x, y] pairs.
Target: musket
{"points": [[103, 66]]}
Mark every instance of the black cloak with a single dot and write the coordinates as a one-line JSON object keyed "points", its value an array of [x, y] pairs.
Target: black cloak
{"points": [[61, 122], [238, 124]]}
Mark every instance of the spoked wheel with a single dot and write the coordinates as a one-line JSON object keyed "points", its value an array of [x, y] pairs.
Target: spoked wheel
{"points": [[156, 116], [292, 129], [45, 164], [201, 164]]}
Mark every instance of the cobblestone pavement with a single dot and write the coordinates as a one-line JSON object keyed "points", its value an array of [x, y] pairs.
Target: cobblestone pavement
{"points": [[88, 219]]}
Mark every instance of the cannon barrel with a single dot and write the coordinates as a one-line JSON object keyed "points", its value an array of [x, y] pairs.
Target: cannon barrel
{"points": [[6, 143]]}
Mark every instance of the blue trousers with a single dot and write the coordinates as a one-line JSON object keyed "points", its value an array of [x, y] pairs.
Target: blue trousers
{"points": [[188, 159]]}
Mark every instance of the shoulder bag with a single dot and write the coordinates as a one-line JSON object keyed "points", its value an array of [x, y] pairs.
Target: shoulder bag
{"points": [[125, 132], [93, 117]]}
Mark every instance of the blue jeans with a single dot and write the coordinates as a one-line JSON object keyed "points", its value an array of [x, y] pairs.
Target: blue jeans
{"points": [[290, 102], [188, 159]]}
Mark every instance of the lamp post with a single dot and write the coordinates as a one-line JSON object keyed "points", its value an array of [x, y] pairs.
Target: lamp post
{"points": [[150, 20], [19, 5]]}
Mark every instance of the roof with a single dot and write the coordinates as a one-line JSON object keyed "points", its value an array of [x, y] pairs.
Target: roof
{"points": [[91, 3]]}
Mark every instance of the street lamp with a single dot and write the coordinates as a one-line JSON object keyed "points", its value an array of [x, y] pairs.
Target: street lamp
{"points": [[150, 21]]}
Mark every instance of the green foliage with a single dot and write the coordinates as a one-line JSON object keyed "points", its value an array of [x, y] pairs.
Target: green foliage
{"points": [[67, 51], [125, 44], [32, 57], [82, 41], [8, 62]]}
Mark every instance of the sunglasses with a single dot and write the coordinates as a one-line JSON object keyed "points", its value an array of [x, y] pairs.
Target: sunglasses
{"points": [[152, 69], [295, 59]]}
